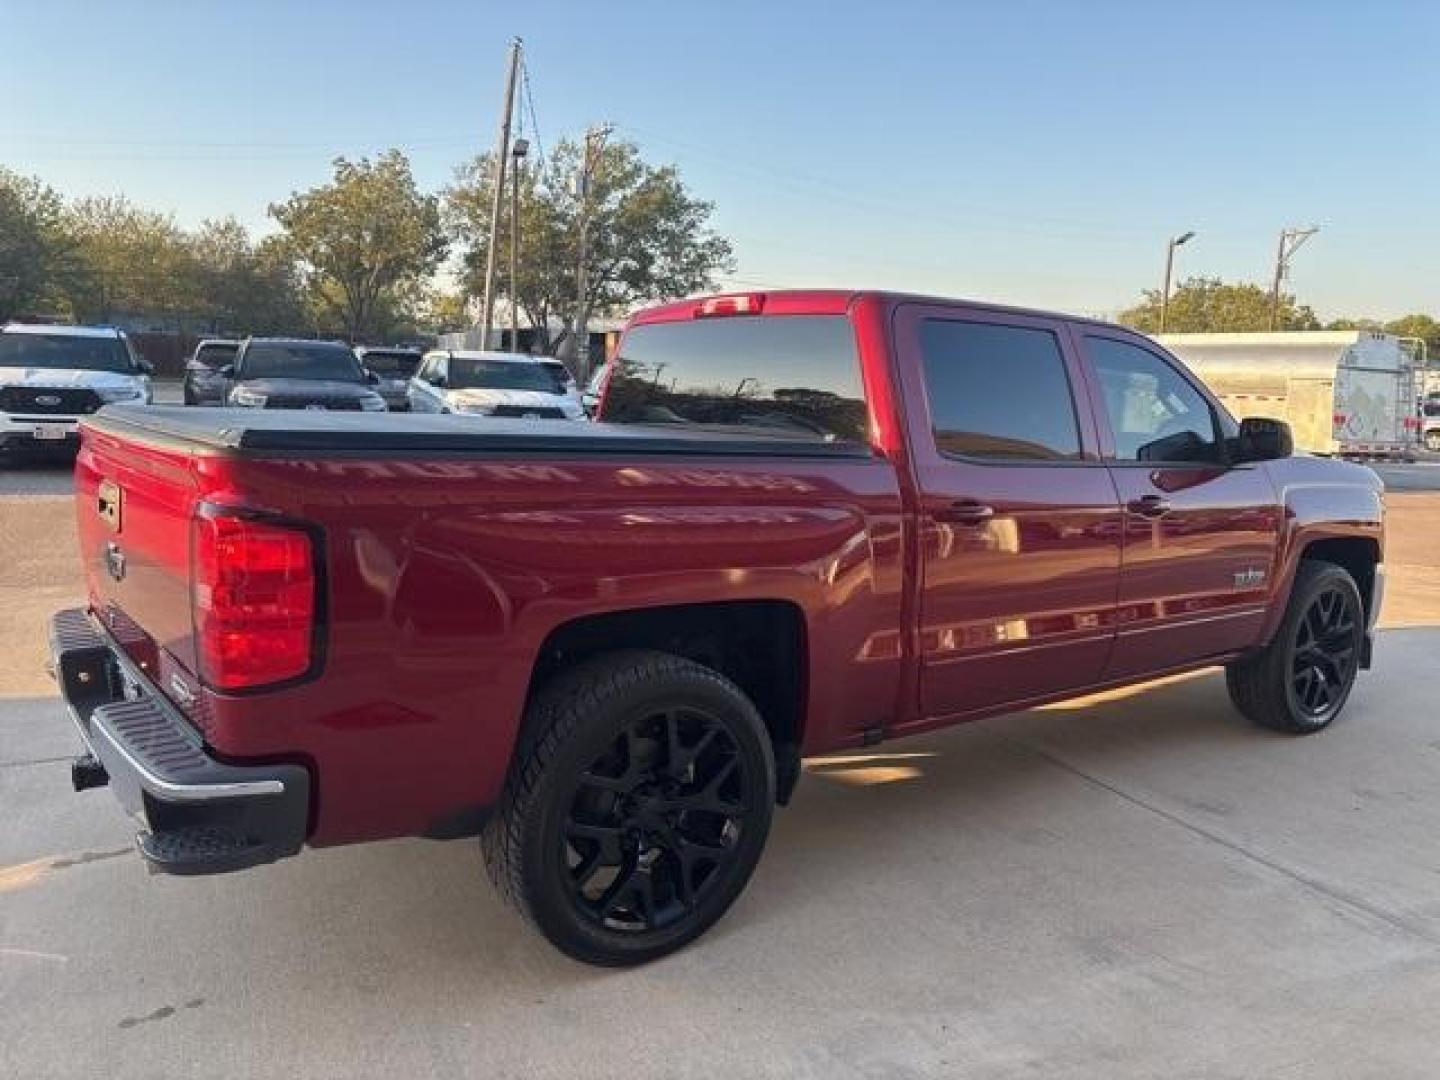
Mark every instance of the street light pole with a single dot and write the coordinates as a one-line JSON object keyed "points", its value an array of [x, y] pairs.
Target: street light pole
{"points": [[1175, 241]]}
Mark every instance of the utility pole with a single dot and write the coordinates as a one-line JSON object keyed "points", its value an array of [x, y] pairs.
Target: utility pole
{"points": [[502, 153], [579, 343], [518, 152], [1290, 242], [1175, 241]]}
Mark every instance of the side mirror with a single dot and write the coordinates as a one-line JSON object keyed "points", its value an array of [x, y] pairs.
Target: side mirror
{"points": [[145, 367], [439, 381], [372, 378], [1262, 439], [228, 371]]}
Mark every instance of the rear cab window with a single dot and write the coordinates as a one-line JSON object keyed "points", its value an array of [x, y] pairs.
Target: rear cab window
{"points": [[779, 376]]}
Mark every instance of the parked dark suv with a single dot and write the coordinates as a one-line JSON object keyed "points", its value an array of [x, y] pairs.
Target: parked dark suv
{"points": [[288, 373], [204, 383], [394, 368]]}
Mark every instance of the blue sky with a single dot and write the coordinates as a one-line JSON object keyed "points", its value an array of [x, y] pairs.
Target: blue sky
{"points": [[1030, 152]]}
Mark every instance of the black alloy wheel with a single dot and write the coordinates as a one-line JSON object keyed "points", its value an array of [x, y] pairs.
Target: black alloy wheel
{"points": [[656, 821], [1326, 653], [1301, 679], [636, 808]]}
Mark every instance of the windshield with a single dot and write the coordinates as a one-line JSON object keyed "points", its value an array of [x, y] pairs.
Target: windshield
{"points": [[216, 356], [469, 373], [392, 365], [300, 360], [64, 351], [793, 376]]}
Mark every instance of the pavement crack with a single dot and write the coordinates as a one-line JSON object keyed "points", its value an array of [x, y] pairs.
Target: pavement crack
{"points": [[36, 761], [1330, 892]]}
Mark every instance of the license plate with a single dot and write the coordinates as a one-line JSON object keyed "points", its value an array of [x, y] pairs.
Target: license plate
{"points": [[52, 431]]}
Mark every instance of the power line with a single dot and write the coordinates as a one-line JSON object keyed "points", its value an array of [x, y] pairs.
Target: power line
{"points": [[534, 120]]}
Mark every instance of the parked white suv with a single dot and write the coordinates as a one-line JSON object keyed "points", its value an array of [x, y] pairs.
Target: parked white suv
{"points": [[490, 384], [50, 376]]}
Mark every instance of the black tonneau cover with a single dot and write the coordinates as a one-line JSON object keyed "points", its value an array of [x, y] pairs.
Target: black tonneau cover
{"points": [[280, 432]]}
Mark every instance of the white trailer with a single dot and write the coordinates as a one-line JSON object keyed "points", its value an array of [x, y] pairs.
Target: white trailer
{"points": [[1348, 393]]}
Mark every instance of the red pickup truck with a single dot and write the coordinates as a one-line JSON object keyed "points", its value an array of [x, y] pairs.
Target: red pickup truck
{"points": [[806, 521]]}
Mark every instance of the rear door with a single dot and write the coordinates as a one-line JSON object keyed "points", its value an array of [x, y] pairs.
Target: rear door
{"points": [[1200, 534], [1019, 523]]}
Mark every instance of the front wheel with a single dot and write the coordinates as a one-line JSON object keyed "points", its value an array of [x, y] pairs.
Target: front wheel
{"points": [[636, 809], [1302, 679]]}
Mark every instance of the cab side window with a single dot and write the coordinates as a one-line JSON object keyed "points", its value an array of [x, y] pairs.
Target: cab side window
{"points": [[998, 393], [1154, 412]]}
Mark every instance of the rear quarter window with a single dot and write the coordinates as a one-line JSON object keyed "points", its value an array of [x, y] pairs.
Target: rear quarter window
{"points": [[785, 376]]}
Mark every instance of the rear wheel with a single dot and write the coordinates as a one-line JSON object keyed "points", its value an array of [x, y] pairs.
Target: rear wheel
{"points": [[636, 809], [1302, 679]]}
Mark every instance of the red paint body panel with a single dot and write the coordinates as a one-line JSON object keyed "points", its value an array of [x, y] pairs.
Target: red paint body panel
{"points": [[444, 575]]}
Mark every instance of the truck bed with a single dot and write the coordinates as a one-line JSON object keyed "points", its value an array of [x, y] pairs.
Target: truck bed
{"points": [[278, 432]]}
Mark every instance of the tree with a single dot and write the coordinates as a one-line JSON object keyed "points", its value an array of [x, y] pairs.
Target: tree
{"points": [[649, 237], [1209, 305], [364, 239], [242, 287], [1419, 326], [34, 248], [128, 260]]}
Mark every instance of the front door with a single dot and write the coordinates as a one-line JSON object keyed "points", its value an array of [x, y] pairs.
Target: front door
{"points": [[1200, 535], [1019, 524]]}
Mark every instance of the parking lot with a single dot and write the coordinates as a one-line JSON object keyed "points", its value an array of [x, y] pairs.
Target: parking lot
{"points": [[1142, 886]]}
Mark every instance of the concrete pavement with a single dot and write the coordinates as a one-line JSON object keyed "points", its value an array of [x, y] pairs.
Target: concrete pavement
{"points": [[1135, 886], [1143, 887]]}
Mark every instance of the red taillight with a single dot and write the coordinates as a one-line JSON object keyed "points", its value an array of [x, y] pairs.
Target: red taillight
{"points": [[254, 600], [1338, 419], [742, 304]]}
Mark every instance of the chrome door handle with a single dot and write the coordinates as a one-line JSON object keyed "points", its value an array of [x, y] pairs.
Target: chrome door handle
{"points": [[1151, 506], [965, 512]]}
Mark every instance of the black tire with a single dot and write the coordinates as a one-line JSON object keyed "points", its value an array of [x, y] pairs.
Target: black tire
{"points": [[641, 765], [1300, 682]]}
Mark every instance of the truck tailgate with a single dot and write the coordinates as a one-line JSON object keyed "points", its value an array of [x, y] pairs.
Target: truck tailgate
{"points": [[134, 503]]}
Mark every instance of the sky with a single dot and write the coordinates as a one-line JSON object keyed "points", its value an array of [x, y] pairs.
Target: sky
{"points": [[1038, 153]]}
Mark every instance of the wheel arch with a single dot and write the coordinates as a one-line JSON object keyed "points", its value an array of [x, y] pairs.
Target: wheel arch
{"points": [[1357, 555], [760, 645]]}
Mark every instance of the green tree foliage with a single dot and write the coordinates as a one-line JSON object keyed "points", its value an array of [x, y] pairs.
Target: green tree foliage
{"points": [[34, 248], [1209, 305], [243, 287], [649, 238], [127, 260], [1417, 326], [364, 240]]}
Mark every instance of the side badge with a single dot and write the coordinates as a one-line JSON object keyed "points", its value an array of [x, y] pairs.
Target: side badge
{"points": [[1249, 579]]}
